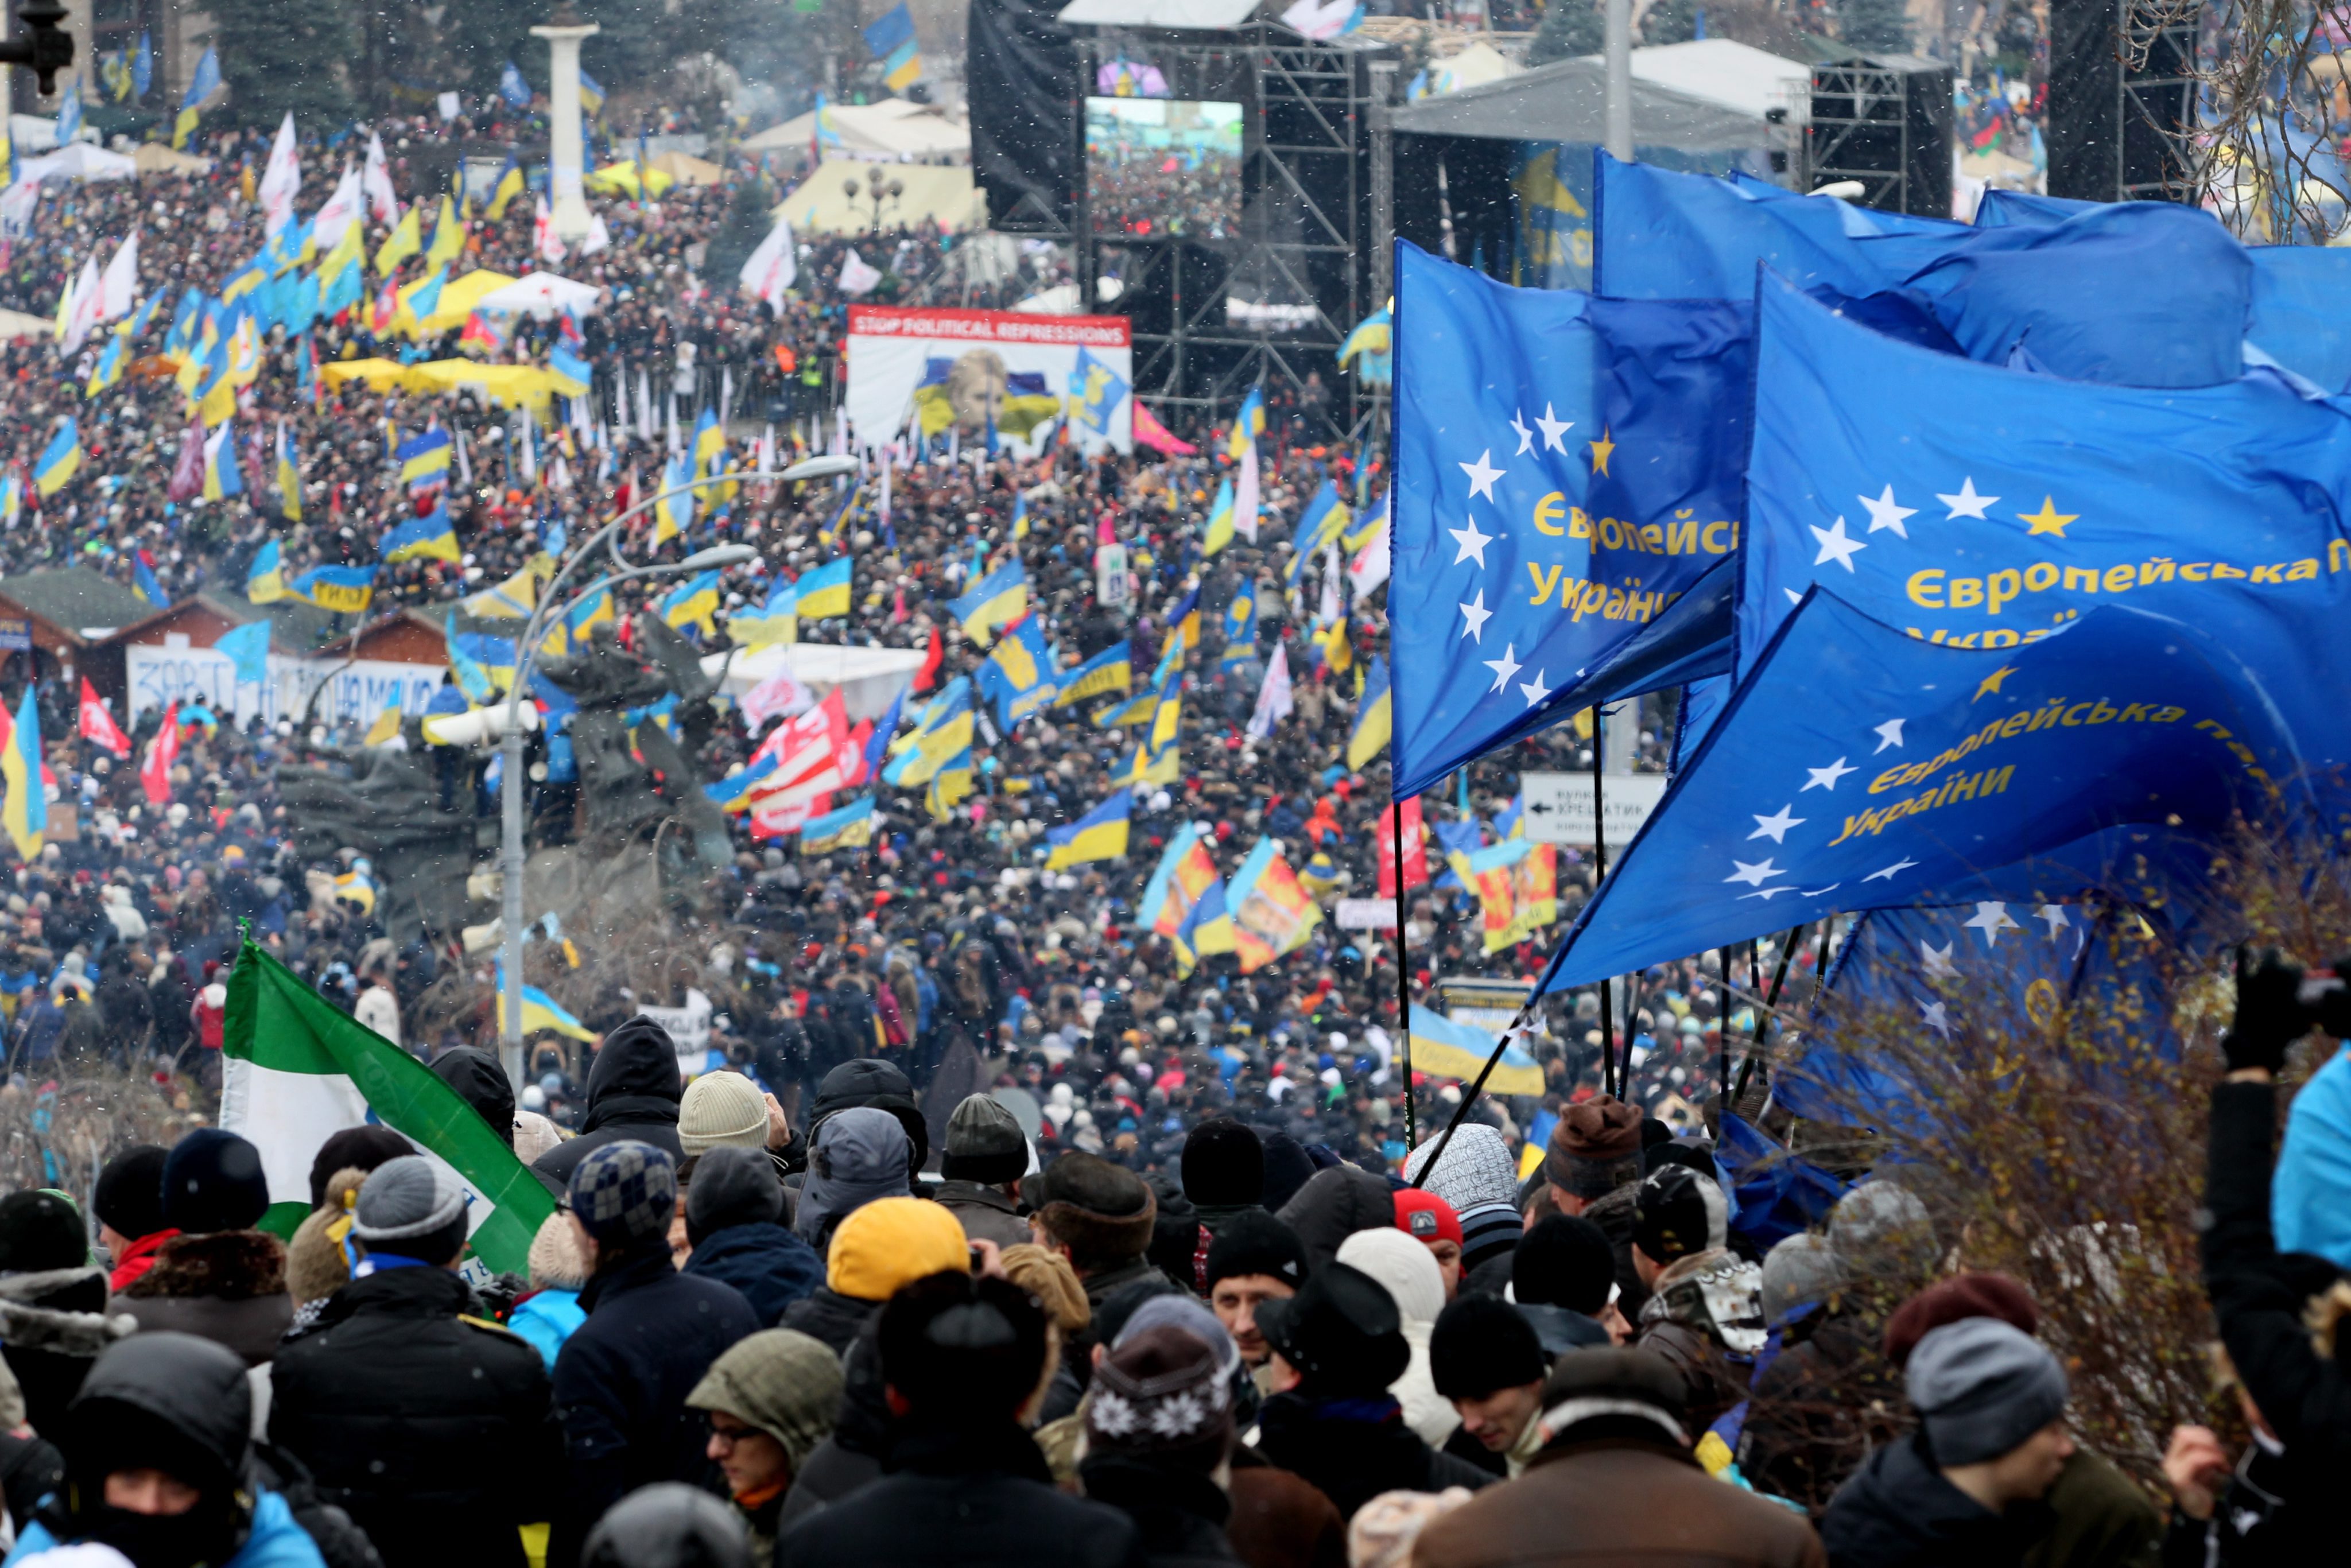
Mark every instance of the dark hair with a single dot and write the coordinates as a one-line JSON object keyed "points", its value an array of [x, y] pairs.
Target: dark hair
{"points": [[963, 1350], [435, 1247]]}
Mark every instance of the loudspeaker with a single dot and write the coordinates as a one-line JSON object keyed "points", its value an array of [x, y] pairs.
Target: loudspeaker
{"points": [[2122, 94], [1884, 120]]}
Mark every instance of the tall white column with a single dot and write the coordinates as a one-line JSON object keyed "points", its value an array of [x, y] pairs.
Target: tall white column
{"points": [[566, 172]]}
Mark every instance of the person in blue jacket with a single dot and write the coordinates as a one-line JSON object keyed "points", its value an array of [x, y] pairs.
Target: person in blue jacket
{"points": [[159, 1466]]}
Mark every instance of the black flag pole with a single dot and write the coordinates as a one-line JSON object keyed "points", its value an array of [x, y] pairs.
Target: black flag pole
{"points": [[1599, 871], [1403, 971]]}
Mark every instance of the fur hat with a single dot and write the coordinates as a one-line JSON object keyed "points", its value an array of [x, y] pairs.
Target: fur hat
{"points": [[1102, 1212], [213, 1181], [1223, 1164], [1047, 1275], [129, 1198]]}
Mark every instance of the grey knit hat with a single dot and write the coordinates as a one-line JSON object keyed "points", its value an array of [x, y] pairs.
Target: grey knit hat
{"points": [[404, 1198], [624, 1192], [1800, 1270], [1981, 1387]]}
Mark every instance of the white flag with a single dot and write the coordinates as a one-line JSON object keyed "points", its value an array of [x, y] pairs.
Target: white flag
{"points": [[1245, 495], [1329, 608], [80, 316], [281, 181], [726, 394], [599, 238], [644, 405], [341, 210], [767, 450], [119, 290], [1273, 704], [376, 183], [774, 267], [856, 277], [1370, 566], [544, 239]]}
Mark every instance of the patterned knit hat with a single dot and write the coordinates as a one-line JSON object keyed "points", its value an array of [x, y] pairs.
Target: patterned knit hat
{"points": [[1480, 1178], [624, 1192], [1158, 1397]]}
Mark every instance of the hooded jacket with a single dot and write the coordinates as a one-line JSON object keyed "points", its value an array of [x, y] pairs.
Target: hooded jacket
{"points": [[1334, 1205], [859, 1156], [482, 1083], [851, 1455], [1707, 1307], [865, 1081], [1897, 1512], [633, 1093], [54, 1324]]}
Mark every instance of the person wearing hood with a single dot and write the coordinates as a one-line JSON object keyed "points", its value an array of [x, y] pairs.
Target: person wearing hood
{"points": [[1334, 1205], [1338, 1345], [986, 1155], [129, 1203], [1159, 1428], [877, 1250], [870, 1083], [1478, 1178], [633, 1091], [732, 1211], [220, 1278], [1099, 1216], [859, 1155], [621, 1379], [1484, 1357], [1409, 1273], [1705, 1302], [53, 1320], [769, 1400], [482, 1083], [423, 1423], [159, 1465], [1612, 1481], [1969, 1485], [1562, 1280]]}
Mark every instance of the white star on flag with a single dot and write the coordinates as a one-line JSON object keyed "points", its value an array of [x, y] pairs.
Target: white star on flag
{"points": [[1937, 1016], [1475, 616], [1885, 514], [2054, 917], [1967, 503], [1534, 691], [1554, 428], [1505, 668], [1766, 895], [1826, 777], [1888, 875], [1836, 546], [1753, 873], [1889, 734], [1939, 961], [1482, 474], [1992, 919], [1473, 543], [1777, 825], [1526, 436]]}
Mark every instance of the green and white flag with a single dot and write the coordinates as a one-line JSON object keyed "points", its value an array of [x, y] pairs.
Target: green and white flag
{"points": [[297, 1072]]}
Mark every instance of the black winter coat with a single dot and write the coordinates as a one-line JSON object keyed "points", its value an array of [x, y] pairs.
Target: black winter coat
{"points": [[826, 1315], [1351, 1460], [772, 1266], [1898, 1512], [851, 1458], [1181, 1514], [426, 1430], [633, 1091], [621, 1385], [963, 1499]]}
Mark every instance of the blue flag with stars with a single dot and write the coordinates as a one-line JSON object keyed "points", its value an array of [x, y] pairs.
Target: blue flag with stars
{"points": [[1987, 509], [1567, 468], [1859, 768]]}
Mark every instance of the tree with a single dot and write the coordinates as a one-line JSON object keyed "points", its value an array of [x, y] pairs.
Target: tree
{"points": [[747, 222], [1569, 28], [282, 55]]}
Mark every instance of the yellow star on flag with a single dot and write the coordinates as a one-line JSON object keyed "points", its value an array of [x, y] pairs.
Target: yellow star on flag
{"points": [[2047, 520], [1991, 683], [1600, 451]]}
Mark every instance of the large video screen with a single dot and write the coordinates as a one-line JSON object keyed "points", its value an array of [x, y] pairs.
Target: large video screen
{"points": [[1159, 167]]}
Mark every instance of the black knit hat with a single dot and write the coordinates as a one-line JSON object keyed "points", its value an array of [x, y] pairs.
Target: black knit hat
{"points": [[1224, 1164], [40, 1231], [1342, 1333], [1482, 1344], [213, 1181], [1287, 1167], [1564, 1262], [129, 1198], [983, 1144], [1677, 1212], [1255, 1242]]}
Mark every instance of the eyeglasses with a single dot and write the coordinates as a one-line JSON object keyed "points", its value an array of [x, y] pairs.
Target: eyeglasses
{"points": [[730, 1436]]}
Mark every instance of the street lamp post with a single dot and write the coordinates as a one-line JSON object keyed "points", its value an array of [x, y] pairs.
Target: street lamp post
{"points": [[549, 611], [875, 189]]}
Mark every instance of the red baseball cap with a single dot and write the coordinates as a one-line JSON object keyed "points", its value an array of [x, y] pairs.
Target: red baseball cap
{"points": [[1424, 1216]]}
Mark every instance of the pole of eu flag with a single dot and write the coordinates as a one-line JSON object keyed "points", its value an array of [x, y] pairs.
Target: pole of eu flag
{"points": [[1599, 873], [1403, 977]]}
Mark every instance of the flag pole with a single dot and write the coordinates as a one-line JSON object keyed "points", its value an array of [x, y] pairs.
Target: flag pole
{"points": [[1403, 971], [1600, 871], [1788, 946]]}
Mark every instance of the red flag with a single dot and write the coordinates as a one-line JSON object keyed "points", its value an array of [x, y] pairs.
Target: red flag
{"points": [[1416, 850], [97, 726], [1156, 436], [933, 658], [852, 758], [155, 773], [188, 471]]}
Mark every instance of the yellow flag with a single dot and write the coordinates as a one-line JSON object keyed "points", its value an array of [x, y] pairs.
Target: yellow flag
{"points": [[406, 241], [448, 237]]}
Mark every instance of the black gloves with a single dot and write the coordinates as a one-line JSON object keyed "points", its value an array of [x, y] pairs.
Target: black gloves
{"points": [[2270, 1013]]}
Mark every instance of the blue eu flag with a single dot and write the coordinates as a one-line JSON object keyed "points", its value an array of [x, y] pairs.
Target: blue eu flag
{"points": [[1985, 508], [1859, 768], [1568, 467], [512, 88]]}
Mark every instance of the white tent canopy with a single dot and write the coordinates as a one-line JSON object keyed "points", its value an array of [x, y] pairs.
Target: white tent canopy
{"points": [[541, 294], [894, 128], [869, 679], [78, 161]]}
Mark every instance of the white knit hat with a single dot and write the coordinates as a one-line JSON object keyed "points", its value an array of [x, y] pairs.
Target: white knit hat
{"points": [[722, 1108]]}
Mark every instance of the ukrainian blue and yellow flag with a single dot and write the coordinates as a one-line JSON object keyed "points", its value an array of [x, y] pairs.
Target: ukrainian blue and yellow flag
{"points": [[424, 460], [265, 580], [1096, 391], [1026, 404], [428, 537], [1020, 514], [776, 623], [472, 679], [995, 601], [569, 373], [540, 1014], [709, 457], [1220, 520], [950, 786], [181, 338], [1099, 835], [943, 729], [591, 94], [890, 41], [673, 512], [1325, 518], [345, 590], [509, 185], [492, 657], [587, 615], [1208, 926], [26, 812], [1443, 1049], [1374, 717], [1111, 670], [108, 370], [733, 793], [224, 475], [347, 254], [1017, 678], [933, 412], [693, 603], [243, 281], [1183, 631], [824, 592], [289, 477], [851, 827], [1240, 628], [1248, 424], [60, 461], [143, 582], [1374, 339]]}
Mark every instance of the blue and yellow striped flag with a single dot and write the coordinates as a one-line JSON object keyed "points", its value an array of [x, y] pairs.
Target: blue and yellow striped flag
{"points": [[1099, 835]]}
